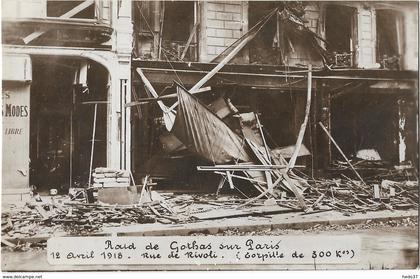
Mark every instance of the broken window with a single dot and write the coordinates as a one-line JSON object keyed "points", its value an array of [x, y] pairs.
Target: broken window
{"points": [[339, 33], [165, 30], [389, 29], [285, 39], [261, 49], [59, 8], [177, 26]]}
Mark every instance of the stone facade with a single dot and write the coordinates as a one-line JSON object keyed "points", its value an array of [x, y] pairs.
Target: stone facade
{"points": [[224, 23]]}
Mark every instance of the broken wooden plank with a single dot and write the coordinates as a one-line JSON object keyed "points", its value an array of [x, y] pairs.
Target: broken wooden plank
{"points": [[240, 167], [376, 191], [235, 212], [190, 38], [45, 215], [141, 101], [341, 151], [289, 183], [168, 113], [8, 243], [232, 54]]}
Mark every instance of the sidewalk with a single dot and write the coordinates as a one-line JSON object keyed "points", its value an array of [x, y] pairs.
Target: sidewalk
{"points": [[278, 221]]}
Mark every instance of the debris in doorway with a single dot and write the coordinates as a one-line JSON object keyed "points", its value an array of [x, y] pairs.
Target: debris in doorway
{"points": [[53, 192], [77, 194], [368, 155], [118, 195]]}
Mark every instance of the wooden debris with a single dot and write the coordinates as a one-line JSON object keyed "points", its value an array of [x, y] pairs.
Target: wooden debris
{"points": [[8, 243], [341, 151]]}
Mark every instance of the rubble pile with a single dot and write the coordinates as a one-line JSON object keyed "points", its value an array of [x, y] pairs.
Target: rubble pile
{"points": [[81, 218], [74, 218], [351, 196]]}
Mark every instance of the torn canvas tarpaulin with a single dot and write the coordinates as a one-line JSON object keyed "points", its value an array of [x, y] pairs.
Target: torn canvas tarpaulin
{"points": [[205, 134]]}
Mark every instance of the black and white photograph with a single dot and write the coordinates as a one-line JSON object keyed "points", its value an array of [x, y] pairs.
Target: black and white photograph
{"points": [[209, 135]]}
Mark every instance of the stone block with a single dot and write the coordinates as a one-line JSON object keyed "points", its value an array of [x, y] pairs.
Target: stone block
{"points": [[224, 16], [215, 23], [211, 15], [233, 8], [237, 34], [215, 6], [228, 42], [118, 195], [220, 49], [214, 41], [233, 25], [211, 32], [236, 17], [224, 33], [211, 50]]}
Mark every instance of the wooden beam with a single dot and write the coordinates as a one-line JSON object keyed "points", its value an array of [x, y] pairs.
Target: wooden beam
{"points": [[349, 89], [305, 121], [236, 50], [341, 152], [242, 167], [69, 14], [193, 31], [143, 101], [168, 114]]}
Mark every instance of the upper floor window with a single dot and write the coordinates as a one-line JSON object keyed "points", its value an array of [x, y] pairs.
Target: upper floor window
{"points": [[340, 33], [389, 33], [166, 30]]}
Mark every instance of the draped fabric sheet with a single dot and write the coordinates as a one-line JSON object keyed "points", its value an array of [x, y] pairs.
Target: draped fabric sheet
{"points": [[205, 134]]}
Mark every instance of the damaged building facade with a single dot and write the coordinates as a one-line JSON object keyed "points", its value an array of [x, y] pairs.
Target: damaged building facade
{"points": [[65, 63], [93, 83]]}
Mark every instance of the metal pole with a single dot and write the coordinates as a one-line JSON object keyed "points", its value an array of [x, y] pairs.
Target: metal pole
{"points": [[93, 144]]}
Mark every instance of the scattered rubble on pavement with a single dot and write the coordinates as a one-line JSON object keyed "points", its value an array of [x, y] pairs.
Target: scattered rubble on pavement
{"points": [[73, 215]]}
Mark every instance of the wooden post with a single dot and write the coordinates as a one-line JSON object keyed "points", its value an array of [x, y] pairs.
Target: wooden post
{"points": [[341, 152], [321, 145], [324, 116], [304, 123], [71, 145], [268, 157], [93, 144], [402, 146], [162, 19]]}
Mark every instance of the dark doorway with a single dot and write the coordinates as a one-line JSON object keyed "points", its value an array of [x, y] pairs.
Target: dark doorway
{"points": [[366, 121], [61, 124]]}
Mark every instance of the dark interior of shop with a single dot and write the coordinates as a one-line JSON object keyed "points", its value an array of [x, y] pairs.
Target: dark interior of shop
{"points": [[61, 125]]}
